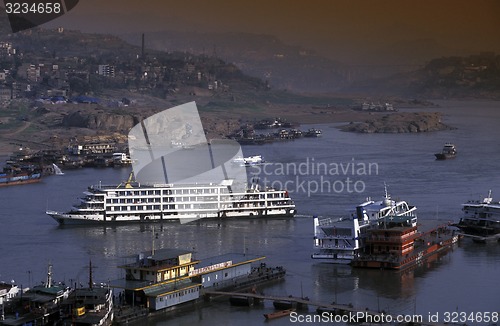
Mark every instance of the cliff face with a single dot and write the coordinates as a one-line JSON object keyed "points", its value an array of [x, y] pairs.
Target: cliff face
{"points": [[122, 123], [101, 121], [400, 123]]}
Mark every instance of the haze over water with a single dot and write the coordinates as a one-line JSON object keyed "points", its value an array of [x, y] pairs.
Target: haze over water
{"points": [[462, 280]]}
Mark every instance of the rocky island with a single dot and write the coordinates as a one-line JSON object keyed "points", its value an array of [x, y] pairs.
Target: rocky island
{"points": [[399, 123]]}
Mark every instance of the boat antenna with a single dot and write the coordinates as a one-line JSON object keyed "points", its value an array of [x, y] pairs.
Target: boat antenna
{"points": [[385, 190], [153, 242], [91, 282], [48, 284]]}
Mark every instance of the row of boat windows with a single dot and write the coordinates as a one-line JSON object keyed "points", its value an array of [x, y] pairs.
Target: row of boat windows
{"points": [[177, 270], [158, 207], [159, 192], [157, 200], [378, 249], [200, 192], [170, 199], [179, 294]]}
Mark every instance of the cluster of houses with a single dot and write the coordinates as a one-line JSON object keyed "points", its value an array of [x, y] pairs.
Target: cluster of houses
{"points": [[45, 75]]}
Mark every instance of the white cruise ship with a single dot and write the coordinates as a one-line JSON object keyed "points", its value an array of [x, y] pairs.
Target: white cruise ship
{"points": [[340, 240], [133, 202]]}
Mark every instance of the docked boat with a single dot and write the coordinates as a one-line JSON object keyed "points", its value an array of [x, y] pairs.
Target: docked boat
{"points": [[448, 152], [481, 220], [249, 161], [313, 132], [91, 306], [39, 305], [163, 280], [8, 291], [134, 202], [341, 240], [18, 175], [121, 159], [399, 245]]}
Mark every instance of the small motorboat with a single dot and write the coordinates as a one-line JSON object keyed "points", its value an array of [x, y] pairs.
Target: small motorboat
{"points": [[279, 313], [449, 151]]}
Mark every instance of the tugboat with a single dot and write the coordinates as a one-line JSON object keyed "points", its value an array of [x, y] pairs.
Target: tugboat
{"points": [[481, 220], [449, 151]]}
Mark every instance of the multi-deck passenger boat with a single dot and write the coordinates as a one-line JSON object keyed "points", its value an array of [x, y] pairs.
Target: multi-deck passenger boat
{"points": [[340, 240], [134, 202], [381, 234], [481, 220]]}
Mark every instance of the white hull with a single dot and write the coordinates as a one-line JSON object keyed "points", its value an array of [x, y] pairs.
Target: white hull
{"points": [[125, 203], [339, 259], [72, 219]]}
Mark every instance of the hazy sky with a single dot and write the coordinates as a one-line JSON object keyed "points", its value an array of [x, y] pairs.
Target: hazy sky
{"points": [[324, 25]]}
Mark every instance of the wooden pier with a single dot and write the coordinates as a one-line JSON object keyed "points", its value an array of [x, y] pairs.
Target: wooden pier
{"points": [[340, 308], [297, 300]]}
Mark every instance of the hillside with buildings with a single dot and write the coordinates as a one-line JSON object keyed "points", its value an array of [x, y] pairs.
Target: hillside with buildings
{"points": [[57, 85]]}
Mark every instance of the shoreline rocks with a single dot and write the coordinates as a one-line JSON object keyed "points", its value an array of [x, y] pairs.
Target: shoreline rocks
{"points": [[400, 123]]}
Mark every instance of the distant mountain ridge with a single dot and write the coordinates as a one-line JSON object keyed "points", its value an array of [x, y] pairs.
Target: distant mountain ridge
{"points": [[474, 76]]}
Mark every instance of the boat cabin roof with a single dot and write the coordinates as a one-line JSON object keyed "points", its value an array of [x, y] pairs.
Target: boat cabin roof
{"points": [[235, 258]]}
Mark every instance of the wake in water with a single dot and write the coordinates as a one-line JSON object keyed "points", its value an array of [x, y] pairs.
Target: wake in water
{"points": [[57, 170]]}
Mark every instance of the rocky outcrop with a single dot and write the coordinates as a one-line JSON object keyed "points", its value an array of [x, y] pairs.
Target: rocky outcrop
{"points": [[100, 120], [400, 123]]}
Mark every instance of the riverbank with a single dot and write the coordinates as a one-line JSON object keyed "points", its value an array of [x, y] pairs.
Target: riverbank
{"points": [[408, 122], [55, 126]]}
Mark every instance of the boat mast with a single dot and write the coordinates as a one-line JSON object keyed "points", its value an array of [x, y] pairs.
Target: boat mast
{"points": [[91, 282], [153, 242], [48, 284]]}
